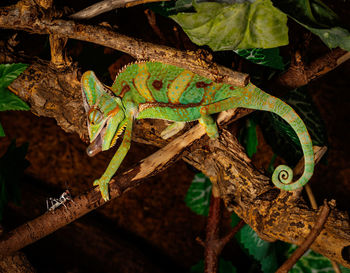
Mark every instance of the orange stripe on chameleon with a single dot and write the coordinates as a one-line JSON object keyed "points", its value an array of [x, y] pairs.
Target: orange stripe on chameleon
{"points": [[140, 82], [179, 85], [114, 111]]}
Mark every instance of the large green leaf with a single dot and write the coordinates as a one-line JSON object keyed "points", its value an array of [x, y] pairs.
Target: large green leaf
{"points": [[198, 194], [319, 19], [8, 100], [264, 252], [224, 267], [12, 165], [245, 25], [269, 57], [312, 262]]}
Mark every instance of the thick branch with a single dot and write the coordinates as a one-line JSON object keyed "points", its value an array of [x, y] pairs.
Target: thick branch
{"points": [[26, 18], [271, 214]]}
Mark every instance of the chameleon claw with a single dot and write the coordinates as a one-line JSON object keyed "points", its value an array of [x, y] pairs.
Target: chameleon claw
{"points": [[103, 185]]}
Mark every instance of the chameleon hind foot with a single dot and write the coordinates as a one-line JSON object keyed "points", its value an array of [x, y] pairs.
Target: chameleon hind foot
{"points": [[103, 186], [209, 125], [172, 129]]}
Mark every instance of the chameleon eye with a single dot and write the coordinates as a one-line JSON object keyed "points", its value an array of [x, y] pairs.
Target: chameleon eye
{"points": [[95, 116]]}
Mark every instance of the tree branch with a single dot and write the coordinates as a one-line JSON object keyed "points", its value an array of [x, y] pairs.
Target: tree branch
{"points": [[107, 5], [308, 241], [300, 74], [24, 17]]}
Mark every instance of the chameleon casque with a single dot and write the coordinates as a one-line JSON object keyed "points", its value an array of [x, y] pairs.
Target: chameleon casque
{"points": [[161, 91]]}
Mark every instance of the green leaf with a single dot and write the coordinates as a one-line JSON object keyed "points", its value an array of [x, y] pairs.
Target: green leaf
{"points": [[344, 269], [250, 139], [9, 72], [245, 25], [2, 132], [198, 194], [269, 57], [319, 19], [311, 262], [12, 166], [280, 135], [224, 267], [234, 219], [8, 100], [333, 37], [264, 252], [198, 267], [310, 12]]}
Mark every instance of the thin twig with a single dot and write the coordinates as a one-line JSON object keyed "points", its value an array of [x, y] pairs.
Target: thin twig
{"points": [[228, 237], [311, 196], [308, 241], [211, 251], [107, 5], [151, 17], [213, 243]]}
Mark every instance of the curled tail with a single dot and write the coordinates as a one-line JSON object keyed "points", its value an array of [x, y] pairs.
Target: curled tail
{"points": [[282, 177]]}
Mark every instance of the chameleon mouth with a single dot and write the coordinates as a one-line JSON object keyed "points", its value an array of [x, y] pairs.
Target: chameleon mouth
{"points": [[96, 145]]}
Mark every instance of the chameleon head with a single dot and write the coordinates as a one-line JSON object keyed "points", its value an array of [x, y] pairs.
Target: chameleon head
{"points": [[105, 114]]}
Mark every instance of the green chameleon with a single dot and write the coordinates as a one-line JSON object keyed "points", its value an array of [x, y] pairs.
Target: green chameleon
{"points": [[162, 91]]}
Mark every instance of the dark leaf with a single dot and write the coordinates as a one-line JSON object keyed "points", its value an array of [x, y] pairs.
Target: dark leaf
{"points": [[198, 194], [269, 57], [319, 19], [2, 132], [12, 166]]}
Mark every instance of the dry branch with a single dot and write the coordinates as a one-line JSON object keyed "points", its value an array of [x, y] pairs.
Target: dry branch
{"points": [[23, 17], [107, 5], [300, 74]]}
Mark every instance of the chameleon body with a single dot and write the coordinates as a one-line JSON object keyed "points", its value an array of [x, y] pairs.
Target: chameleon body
{"points": [[162, 91]]}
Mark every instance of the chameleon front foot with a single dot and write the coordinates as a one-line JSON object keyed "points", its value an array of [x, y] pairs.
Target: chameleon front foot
{"points": [[103, 185]]}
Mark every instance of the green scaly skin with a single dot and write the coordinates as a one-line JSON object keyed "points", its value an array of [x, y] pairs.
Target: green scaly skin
{"points": [[162, 91]]}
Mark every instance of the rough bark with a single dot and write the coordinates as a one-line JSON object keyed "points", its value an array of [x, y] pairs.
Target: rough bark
{"points": [[16, 263]]}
